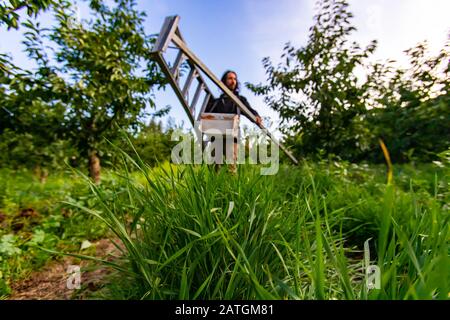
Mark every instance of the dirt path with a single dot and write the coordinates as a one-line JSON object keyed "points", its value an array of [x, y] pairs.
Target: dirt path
{"points": [[50, 283]]}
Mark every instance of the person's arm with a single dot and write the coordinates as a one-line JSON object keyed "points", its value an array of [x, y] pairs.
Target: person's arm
{"points": [[255, 113]]}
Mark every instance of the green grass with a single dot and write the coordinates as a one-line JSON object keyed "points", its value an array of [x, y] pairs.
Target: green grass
{"points": [[191, 233], [53, 224]]}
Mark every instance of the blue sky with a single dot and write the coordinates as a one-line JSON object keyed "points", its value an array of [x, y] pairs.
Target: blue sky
{"points": [[237, 34]]}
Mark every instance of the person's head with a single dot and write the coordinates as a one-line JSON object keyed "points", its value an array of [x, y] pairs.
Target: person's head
{"points": [[230, 79]]}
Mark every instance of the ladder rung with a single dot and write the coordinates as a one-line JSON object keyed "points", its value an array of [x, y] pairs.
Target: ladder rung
{"points": [[204, 104], [179, 59], [196, 96], [192, 74], [166, 70], [199, 76]]}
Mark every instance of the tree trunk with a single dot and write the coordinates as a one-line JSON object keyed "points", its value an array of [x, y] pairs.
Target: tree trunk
{"points": [[41, 173], [44, 175], [94, 167], [37, 171]]}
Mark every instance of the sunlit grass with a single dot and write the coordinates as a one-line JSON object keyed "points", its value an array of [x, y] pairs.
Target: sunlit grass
{"points": [[192, 233], [189, 232]]}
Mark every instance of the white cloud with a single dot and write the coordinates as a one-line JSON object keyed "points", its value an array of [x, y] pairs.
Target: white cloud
{"points": [[400, 25]]}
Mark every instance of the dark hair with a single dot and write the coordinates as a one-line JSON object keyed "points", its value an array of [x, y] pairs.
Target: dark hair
{"points": [[224, 77]]}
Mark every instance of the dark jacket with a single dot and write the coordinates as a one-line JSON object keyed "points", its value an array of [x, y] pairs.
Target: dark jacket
{"points": [[224, 104]]}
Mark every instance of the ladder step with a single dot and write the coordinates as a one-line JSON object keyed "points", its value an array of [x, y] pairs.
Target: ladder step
{"points": [[175, 68], [205, 103], [192, 74], [196, 96]]}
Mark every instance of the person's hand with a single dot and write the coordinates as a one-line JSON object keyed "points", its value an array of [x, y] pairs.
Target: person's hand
{"points": [[258, 120]]}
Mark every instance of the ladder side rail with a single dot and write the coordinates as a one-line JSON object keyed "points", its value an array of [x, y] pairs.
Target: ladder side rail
{"points": [[196, 96], [165, 35], [205, 87], [279, 144], [170, 32], [211, 76], [199, 76], [204, 104], [200, 79], [166, 70], [193, 65]]}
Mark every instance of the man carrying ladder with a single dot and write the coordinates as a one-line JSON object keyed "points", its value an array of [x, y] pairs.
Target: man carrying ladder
{"points": [[224, 106], [220, 114]]}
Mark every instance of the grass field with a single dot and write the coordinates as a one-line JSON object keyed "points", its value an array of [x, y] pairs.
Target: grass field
{"points": [[191, 233]]}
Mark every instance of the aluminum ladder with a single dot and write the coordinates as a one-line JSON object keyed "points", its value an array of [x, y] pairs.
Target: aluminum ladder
{"points": [[170, 36]]}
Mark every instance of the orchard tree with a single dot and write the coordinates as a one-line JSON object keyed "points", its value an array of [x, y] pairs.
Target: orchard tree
{"points": [[32, 123], [102, 73], [410, 107], [315, 89]]}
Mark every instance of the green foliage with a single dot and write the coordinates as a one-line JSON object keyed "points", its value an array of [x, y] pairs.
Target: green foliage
{"points": [[297, 234], [315, 89], [32, 131], [326, 110], [51, 224], [410, 107], [153, 143], [10, 16], [8, 245], [103, 59], [34, 151], [97, 77]]}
